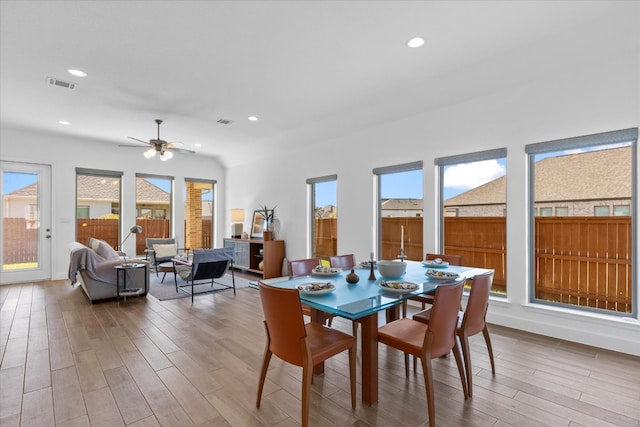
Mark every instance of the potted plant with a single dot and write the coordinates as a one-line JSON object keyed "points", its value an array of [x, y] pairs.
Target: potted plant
{"points": [[269, 215]]}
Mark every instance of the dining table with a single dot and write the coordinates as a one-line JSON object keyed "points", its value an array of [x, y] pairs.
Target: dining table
{"points": [[362, 302]]}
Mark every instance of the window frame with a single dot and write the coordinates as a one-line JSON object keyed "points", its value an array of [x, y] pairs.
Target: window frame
{"points": [[629, 135], [378, 173], [478, 156], [311, 223]]}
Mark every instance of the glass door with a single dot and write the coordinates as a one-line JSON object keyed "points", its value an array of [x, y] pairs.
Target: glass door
{"points": [[25, 254]]}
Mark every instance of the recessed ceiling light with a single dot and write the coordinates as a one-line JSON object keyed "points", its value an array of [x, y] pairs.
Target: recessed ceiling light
{"points": [[77, 73], [198, 145], [415, 42], [252, 118], [64, 122]]}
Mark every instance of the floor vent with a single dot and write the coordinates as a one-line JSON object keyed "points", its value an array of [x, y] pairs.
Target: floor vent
{"points": [[61, 83]]}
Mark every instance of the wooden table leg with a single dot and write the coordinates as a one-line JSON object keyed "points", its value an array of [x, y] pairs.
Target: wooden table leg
{"points": [[369, 358]]}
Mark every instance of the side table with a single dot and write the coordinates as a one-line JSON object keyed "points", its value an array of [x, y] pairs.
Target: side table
{"points": [[122, 270]]}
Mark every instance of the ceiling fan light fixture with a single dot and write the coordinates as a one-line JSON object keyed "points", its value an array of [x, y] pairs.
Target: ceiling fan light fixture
{"points": [[150, 153], [166, 155]]}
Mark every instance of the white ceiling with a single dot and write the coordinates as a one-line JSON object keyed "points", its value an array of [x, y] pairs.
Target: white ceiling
{"points": [[309, 70]]}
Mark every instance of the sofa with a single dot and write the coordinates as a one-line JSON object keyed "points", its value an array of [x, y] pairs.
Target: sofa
{"points": [[93, 267]]}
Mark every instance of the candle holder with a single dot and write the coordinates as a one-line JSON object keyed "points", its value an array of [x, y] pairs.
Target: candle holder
{"points": [[402, 256], [372, 275]]}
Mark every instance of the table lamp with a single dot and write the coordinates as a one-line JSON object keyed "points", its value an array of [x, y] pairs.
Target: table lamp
{"points": [[237, 217], [136, 229]]}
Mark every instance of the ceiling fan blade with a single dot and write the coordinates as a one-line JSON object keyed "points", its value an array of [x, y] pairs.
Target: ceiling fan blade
{"points": [[131, 146], [181, 150], [139, 140]]}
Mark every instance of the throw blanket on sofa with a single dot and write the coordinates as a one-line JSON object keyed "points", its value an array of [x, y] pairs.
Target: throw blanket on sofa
{"points": [[97, 267]]}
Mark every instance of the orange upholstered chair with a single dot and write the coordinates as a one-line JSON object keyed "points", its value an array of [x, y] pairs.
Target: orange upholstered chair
{"points": [[300, 344], [345, 262], [428, 299], [429, 341], [471, 321]]}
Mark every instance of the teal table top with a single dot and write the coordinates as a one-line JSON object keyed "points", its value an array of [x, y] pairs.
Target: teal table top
{"points": [[353, 301]]}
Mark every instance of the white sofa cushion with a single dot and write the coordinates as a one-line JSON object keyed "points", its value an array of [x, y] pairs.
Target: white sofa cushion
{"points": [[165, 251]]}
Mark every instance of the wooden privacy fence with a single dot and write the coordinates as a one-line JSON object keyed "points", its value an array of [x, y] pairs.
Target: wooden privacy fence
{"points": [[20, 242], [107, 230], [584, 261]]}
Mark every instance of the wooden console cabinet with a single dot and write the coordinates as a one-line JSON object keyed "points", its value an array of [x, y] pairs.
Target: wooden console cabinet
{"points": [[247, 256]]}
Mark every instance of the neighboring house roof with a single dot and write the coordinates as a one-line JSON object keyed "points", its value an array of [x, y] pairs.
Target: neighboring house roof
{"points": [[604, 174], [102, 188], [402, 204]]}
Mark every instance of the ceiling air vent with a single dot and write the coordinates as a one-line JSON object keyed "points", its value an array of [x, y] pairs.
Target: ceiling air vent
{"points": [[61, 83], [225, 122]]}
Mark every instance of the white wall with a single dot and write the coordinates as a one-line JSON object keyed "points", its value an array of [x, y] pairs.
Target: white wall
{"points": [[572, 102], [65, 154]]}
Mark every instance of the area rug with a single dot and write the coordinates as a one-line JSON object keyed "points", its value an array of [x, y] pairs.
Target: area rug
{"points": [[167, 290]]}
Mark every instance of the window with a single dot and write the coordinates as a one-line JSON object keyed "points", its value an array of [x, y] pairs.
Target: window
{"points": [[82, 212], [324, 215], [562, 211], [546, 211], [621, 210], [584, 261], [400, 211], [475, 185], [154, 201], [198, 213], [97, 192]]}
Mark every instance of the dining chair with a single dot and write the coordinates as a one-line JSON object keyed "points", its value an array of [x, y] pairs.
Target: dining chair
{"points": [[429, 341], [345, 262], [471, 321], [304, 267], [428, 298], [300, 344]]}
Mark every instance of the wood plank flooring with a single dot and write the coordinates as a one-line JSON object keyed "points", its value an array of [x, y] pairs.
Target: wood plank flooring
{"points": [[144, 362]]}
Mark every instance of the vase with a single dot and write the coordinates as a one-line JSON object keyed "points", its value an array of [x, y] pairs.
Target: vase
{"points": [[267, 235]]}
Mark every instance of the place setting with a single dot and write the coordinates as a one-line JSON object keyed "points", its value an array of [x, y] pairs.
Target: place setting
{"points": [[323, 270], [316, 288]]}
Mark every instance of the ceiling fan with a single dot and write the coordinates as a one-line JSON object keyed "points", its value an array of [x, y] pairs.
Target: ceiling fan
{"points": [[158, 145]]}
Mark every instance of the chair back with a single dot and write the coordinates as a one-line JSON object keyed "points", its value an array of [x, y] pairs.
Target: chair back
{"points": [[283, 318], [211, 263], [302, 267], [444, 318], [345, 262], [451, 259], [477, 304]]}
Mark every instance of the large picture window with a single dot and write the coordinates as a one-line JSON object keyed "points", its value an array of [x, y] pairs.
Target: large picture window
{"points": [[473, 211], [584, 259], [98, 195], [154, 201], [400, 211], [324, 215], [198, 213]]}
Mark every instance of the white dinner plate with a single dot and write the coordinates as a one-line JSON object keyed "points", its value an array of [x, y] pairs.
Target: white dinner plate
{"points": [[331, 272], [397, 286], [431, 263], [316, 288], [441, 275]]}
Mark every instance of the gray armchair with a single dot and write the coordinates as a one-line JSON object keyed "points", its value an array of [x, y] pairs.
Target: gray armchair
{"points": [[160, 250], [203, 267]]}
